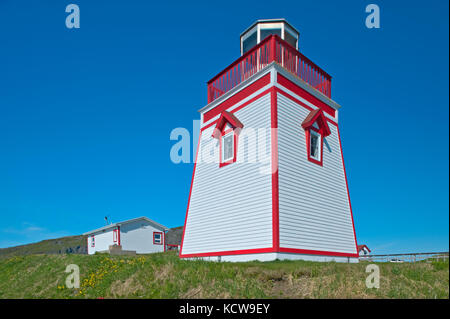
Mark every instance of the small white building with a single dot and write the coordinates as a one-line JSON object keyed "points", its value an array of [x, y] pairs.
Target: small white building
{"points": [[142, 235]]}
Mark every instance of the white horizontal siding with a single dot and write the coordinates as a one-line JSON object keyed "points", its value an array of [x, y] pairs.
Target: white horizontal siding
{"points": [[138, 236], [231, 206], [313, 202], [103, 240]]}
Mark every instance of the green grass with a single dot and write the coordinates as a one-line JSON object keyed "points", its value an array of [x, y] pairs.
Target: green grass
{"points": [[164, 275]]}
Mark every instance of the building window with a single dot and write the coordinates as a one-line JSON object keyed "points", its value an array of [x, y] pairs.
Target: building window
{"points": [[315, 145], [249, 43], [291, 39], [92, 241], [227, 148], [316, 129], [227, 132], [266, 32], [115, 235], [157, 238]]}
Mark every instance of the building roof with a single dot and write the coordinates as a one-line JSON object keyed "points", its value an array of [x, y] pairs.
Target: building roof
{"points": [[317, 116], [361, 247], [226, 117], [157, 225]]}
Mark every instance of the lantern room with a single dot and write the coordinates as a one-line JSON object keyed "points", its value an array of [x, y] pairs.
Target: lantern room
{"points": [[261, 29]]}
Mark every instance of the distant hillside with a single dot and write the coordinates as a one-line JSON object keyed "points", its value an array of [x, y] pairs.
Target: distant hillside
{"points": [[63, 245], [71, 245], [174, 236]]}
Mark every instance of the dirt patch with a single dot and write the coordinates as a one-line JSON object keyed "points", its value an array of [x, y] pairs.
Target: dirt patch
{"points": [[288, 287], [126, 288], [193, 293], [163, 273]]}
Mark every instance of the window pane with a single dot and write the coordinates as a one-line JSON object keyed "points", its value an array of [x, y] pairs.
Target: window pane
{"points": [[290, 39], [227, 144], [314, 149], [266, 32], [249, 43]]}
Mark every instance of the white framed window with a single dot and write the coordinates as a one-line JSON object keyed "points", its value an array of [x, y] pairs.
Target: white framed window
{"points": [[157, 238], [227, 147], [92, 241], [315, 144]]}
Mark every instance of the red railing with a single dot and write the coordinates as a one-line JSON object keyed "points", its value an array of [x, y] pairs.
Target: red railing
{"points": [[272, 48]]}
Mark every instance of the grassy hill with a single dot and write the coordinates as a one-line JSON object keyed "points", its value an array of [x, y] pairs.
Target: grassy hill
{"points": [[164, 275]]}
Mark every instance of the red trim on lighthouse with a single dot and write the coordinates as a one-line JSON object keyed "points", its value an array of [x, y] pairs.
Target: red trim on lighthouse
{"points": [[239, 107], [301, 104], [274, 151], [252, 88], [304, 94]]}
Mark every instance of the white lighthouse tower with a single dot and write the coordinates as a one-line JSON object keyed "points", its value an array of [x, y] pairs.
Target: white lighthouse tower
{"points": [[269, 180]]}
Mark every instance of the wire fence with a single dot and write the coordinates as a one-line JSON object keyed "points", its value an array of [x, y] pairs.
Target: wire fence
{"points": [[409, 257]]}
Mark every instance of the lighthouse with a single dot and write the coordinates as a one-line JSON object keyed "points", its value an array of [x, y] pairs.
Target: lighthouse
{"points": [[269, 179]]}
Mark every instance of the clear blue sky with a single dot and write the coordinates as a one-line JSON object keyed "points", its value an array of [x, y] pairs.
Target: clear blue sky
{"points": [[86, 114]]}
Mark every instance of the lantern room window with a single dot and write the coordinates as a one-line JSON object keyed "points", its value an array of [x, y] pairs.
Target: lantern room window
{"points": [[249, 42], [261, 29], [266, 32]]}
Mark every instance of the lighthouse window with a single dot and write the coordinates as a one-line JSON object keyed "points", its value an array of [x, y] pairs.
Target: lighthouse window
{"points": [[290, 39], [266, 32], [314, 146], [249, 43], [227, 147]]}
